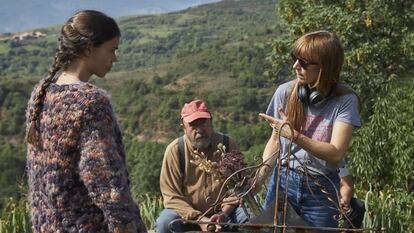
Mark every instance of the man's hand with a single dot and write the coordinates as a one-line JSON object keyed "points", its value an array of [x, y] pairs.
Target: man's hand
{"points": [[217, 218], [213, 218], [344, 203], [203, 226], [347, 191]]}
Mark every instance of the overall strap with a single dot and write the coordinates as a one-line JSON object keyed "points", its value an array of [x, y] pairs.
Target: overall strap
{"points": [[181, 154], [226, 142]]}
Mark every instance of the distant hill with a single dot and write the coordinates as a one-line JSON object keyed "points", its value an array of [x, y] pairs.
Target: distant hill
{"points": [[149, 41], [20, 15], [216, 52], [201, 51]]}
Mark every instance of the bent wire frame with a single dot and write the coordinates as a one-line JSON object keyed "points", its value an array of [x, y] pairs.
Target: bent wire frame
{"points": [[242, 188]]}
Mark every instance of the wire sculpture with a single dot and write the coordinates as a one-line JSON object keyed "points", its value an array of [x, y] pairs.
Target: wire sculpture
{"points": [[239, 181]]}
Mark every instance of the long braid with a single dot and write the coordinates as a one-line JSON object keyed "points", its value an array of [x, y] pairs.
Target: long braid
{"points": [[67, 50], [76, 36], [32, 134]]}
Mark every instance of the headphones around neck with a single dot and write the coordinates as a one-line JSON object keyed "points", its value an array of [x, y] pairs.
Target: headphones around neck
{"points": [[311, 97]]}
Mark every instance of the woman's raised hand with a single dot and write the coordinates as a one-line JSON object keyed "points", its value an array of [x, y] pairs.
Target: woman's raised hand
{"points": [[285, 128]]}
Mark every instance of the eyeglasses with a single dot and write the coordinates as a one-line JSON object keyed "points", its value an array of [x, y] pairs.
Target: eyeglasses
{"points": [[303, 63]]}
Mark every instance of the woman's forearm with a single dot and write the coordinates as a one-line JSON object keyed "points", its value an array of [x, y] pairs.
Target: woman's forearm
{"points": [[332, 152], [270, 154], [321, 150]]}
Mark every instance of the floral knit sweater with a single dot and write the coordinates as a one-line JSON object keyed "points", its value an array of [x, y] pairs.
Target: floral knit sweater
{"points": [[78, 180]]}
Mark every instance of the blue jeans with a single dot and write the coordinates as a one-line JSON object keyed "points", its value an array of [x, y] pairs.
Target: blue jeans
{"points": [[312, 206], [168, 215]]}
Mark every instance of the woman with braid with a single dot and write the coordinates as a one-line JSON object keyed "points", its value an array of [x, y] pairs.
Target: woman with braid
{"points": [[78, 179]]}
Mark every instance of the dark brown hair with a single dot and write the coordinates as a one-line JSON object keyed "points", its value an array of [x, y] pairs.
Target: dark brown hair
{"points": [[84, 29]]}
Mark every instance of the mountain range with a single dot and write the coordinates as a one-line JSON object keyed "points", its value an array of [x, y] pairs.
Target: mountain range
{"points": [[20, 15], [215, 52]]}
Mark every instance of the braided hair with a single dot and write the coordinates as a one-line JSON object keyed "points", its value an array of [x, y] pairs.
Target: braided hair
{"points": [[84, 29]]}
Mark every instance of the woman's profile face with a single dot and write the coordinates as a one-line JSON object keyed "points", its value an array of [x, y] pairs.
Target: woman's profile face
{"points": [[100, 59], [307, 73]]}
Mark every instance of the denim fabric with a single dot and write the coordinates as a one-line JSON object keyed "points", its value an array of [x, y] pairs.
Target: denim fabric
{"points": [[306, 198], [168, 215]]}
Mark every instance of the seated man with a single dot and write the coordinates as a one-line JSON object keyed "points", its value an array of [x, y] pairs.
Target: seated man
{"points": [[187, 190]]}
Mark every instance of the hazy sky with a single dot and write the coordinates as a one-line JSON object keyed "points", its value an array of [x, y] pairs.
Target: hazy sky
{"points": [[20, 15]]}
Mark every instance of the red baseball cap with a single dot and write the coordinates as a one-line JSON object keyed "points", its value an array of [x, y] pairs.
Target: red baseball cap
{"points": [[194, 110]]}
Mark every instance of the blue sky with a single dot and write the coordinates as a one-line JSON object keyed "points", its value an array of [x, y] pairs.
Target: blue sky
{"points": [[22, 15]]}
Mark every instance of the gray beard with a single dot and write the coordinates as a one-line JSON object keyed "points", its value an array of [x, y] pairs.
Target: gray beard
{"points": [[202, 143]]}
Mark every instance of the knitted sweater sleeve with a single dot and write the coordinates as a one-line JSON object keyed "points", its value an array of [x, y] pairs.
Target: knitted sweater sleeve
{"points": [[102, 167]]}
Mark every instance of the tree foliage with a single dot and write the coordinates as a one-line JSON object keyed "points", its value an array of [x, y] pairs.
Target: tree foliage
{"points": [[217, 53], [144, 162], [214, 52], [383, 152], [377, 36], [378, 39], [14, 93]]}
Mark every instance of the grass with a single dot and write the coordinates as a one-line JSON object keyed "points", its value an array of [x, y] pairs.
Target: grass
{"points": [[15, 217], [392, 210], [150, 207]]}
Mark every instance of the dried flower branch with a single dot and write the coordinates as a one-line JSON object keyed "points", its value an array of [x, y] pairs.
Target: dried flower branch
{"points": [[230, 162]]}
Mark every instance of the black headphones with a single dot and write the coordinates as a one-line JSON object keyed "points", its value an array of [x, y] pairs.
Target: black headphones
{"points": [[311, 97]]}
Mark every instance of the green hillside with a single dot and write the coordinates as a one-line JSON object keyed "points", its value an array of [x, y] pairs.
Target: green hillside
{"points": [[215, 52], [233, 54]]}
